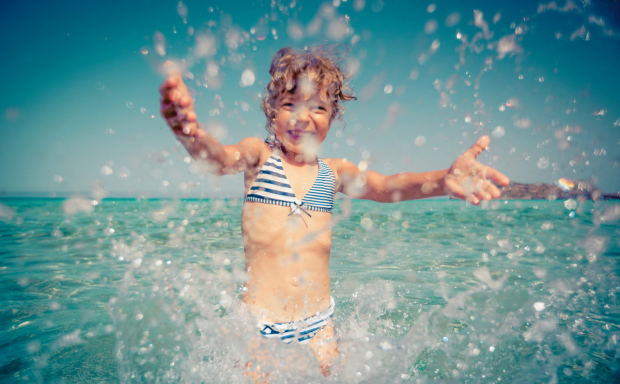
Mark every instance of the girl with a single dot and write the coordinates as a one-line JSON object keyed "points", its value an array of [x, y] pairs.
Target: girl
{"points": [[289, 192]]}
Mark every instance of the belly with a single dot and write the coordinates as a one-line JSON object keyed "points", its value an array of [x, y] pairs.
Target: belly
{"points": [[287, 260]]}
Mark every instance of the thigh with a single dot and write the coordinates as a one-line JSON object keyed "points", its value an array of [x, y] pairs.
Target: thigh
{"points": [[259, 357], [325, 347]]}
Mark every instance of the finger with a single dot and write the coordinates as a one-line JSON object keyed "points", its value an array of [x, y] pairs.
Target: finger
{"points": [[456, 190], [166, 98], [473, 199], [481, 144], [171, 68], [168, 113], [168, 95], [191, 117], [496, 176], [492, 189], [168, 84], [483, 194], [185, 101]]}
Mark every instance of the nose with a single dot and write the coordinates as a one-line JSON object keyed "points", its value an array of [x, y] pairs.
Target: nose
{"points": [[303, 114]]}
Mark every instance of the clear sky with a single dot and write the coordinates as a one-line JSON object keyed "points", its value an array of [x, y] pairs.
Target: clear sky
{"points": [[80, 101]]}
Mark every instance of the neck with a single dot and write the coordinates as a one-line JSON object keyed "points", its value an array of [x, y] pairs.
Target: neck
{"points": [[296, 158]]}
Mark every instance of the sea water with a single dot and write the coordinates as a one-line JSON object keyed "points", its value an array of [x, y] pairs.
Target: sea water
{"points": [[433, 290]]}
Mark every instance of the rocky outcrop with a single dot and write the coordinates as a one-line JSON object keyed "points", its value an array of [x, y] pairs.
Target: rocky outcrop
{"points": [[540, 191]]}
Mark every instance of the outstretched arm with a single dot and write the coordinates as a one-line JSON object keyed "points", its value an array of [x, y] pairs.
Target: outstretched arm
{"points": [[177, 107], [466, 179]]}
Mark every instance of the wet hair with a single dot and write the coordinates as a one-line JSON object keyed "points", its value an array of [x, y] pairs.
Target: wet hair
{"points": [[289, 65]]}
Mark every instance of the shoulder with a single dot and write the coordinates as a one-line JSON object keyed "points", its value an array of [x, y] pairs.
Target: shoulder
{"points": [[257, 146], [340, 166], [254, 143]]}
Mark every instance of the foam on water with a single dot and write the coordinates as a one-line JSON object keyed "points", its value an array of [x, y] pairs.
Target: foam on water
{"points": [[432, 290]]}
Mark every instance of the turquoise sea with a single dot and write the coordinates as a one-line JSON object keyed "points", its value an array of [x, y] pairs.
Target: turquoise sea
{"points": [[427, 291]]}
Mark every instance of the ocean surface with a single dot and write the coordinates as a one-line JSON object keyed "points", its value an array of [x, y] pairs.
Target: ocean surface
{"points": [[426, 291]]}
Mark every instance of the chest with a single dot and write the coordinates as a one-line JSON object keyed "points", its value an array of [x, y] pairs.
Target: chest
{"points": [[300, 178]]}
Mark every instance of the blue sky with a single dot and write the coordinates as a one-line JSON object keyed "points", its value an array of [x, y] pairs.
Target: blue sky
{"points": [[81, 83]]}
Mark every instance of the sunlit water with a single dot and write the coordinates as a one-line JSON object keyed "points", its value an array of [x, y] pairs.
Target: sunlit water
{"points": [[147, 291]]}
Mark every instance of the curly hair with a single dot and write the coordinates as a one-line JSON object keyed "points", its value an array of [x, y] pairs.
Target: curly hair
{"points": [[289, 65]]}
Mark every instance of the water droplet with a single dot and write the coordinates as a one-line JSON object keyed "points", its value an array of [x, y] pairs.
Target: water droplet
{"points": [[539, 306], [570, 204], [543, 163], [247, 78], [77, 204], [445, 339], [523, 123], [337, 29], [129, 104], [367, 224], [106, 170], [160, 43], [547, 225], [430, 26], [420, 141], [498, 132], [182, 10], [58, 179], [453, 19], [260, 32], [388, 89], [123, 173], [142, 109]]}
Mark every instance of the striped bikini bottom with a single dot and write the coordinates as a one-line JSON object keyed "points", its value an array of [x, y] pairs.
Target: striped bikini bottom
{"points": [[300, 330]]}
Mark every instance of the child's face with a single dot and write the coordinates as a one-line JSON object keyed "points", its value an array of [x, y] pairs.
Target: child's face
{"points": [[303, 118]]}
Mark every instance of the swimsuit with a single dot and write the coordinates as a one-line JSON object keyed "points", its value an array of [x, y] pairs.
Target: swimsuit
{"points": [[272, 187], [300, 330]]}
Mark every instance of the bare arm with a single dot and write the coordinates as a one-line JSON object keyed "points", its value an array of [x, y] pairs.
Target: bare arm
{"points": [[370, 185], [466, 179], [177, 107]]}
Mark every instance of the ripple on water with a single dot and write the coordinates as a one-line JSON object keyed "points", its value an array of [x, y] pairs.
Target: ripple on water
{"points": [[78, 301]]}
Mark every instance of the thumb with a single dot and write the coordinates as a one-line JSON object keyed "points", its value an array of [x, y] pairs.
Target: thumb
{"points": [[481, 144], [171, 69]]}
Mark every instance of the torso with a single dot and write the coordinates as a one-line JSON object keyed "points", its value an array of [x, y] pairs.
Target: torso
{"points": [[287, 257]]}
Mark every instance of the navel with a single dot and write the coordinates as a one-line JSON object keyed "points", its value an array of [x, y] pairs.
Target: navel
{"points": [[295, 281]]}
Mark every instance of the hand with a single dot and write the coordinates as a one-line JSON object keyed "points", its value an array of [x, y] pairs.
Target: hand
{"points": [[177, 106], [469, 180]]}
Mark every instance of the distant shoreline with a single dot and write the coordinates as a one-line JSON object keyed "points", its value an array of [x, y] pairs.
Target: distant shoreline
{"points": [[583, 190]]}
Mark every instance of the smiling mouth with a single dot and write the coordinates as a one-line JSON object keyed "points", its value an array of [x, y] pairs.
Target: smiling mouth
{"points": [[297, 134]]}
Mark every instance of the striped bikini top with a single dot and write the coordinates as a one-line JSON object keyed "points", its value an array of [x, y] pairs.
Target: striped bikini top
{"points": [[272, 187]]}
